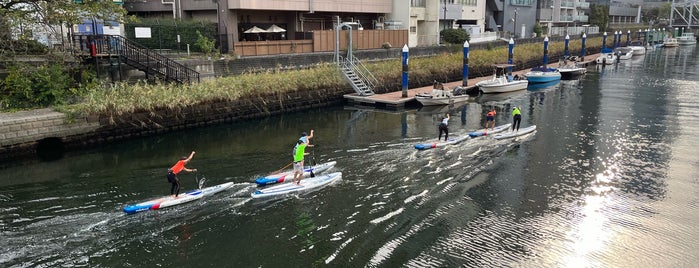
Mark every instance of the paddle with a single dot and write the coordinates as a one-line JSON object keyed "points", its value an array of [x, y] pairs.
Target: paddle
{"points": [[314, 163], [200, 183], [279, 170]]}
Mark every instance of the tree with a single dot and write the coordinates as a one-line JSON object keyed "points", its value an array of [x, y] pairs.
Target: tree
{"points": [[455, 36], [599, 15], [15, 15]]}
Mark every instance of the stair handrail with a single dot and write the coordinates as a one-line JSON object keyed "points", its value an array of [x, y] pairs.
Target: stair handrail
{"points": [[136, 54], [363, 72]]}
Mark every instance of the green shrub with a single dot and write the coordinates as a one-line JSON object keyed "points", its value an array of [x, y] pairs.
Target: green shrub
{"points": [[36, 87], [206, 45], [455, 36], [164, 33]]}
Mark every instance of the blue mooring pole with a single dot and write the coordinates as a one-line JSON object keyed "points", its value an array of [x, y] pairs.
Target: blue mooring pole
{"points": [[565, 51], [582, 50], [510, 55], [464, 80], [546, 52], [604, 41], [628, 37], [405, 71]]}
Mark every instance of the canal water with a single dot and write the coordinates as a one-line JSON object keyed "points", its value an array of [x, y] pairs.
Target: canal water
{"points": [[609, 179]]}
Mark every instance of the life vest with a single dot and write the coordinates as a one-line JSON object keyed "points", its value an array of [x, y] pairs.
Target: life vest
{"points": [[491, 113]]}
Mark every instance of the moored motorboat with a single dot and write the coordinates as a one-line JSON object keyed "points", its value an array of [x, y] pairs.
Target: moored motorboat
{"points": [[671, 42], [606, 58], [542, 75], [501, 82], [687, 39], [638, 47], [569, 68], [623, 53], [441, 95]]}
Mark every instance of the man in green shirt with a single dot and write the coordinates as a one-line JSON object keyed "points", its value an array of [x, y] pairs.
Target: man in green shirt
{"points": [[299, 153]]}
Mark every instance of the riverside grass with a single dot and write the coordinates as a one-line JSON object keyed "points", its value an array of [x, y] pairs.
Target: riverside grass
{"points": [[122, 98]]}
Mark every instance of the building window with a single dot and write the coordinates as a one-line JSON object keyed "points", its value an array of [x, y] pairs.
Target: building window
{"points": [[467, 2], [417, 3], [521, 2], [413, 29]]}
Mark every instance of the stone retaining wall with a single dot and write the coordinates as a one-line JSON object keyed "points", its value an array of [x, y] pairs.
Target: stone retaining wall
{"points": [[22, 134]]}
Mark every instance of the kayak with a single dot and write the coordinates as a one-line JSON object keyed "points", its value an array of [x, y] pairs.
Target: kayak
{"points": [[168, 201], [450, 141], [484, 132], [512, 134], [290, 188], [288, 176]]}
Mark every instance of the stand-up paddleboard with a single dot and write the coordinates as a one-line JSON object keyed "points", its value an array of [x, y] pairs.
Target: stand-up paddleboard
{"points": [[512, 134], [289, 188], [168, 201], [450, 141], [494, 130], [288, 175]]}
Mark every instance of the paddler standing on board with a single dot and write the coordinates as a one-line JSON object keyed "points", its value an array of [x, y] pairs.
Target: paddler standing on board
{"points": [[490, 118], [176, 169], [516, 118], [299, 154], [444, 128]]}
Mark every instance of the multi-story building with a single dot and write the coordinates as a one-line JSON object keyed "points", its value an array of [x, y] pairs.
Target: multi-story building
{"points": [[559, 15], [234, 17]]}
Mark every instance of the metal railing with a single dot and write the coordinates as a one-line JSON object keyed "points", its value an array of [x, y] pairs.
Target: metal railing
{"points": [[131, 53], [364, 75]]}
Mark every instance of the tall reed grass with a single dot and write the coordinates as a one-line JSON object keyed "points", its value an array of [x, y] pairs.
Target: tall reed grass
{"points": [[120, 98]]}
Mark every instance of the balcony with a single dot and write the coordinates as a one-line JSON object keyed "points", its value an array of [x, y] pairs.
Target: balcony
{"points": [[583, 5], [581, 18]]}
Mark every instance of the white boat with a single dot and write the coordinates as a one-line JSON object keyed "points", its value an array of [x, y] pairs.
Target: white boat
{"points": [[570, 68], [687, 39], [623, 53], [542, 75], [571, 71], [441, 96], [638, 47], [671, 42], [501, 82], [607, 58]]}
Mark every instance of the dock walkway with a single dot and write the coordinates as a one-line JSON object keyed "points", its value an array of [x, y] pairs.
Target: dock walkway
{"points": [[394, 100]]}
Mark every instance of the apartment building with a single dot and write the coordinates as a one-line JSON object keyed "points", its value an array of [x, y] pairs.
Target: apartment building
{"points": [[295, 17]]}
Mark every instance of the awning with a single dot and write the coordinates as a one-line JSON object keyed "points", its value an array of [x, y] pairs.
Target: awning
{"points": [[255, 29], [275, 29]]}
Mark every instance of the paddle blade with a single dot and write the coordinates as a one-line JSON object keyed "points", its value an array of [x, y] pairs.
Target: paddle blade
{"points": [[201, 182], [312, 174]]}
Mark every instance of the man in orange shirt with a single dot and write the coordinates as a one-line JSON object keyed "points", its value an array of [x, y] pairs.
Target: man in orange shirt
{"points": [[176, 169]]}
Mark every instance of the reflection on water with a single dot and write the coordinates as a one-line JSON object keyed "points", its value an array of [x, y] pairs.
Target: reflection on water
{"points": [[608, 180]]}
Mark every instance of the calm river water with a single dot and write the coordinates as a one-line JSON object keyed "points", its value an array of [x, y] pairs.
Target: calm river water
{"points": [[610, 179]]}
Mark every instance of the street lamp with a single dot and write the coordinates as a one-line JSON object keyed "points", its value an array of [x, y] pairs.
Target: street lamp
{"points": [[514, 21], [551, 22]]}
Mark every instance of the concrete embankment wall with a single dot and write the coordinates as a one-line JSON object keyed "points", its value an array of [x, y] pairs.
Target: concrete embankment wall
{"points": [[46, 132]]}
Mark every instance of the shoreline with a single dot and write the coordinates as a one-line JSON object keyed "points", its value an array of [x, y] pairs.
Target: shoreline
{"points": [[47, 134]]}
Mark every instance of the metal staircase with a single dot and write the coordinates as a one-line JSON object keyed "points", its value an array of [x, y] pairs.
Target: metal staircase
{"points": [[362, 81], [133, 54]]}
